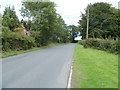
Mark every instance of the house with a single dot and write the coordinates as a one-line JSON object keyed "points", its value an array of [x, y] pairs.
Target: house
{"points": [[25, 31]]}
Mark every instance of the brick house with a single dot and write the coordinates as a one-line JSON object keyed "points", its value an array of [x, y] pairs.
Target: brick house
{"points": [[25, 30]]}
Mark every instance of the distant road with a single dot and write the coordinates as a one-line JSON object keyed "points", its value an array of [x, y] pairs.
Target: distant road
{"points": [[46, 68]]}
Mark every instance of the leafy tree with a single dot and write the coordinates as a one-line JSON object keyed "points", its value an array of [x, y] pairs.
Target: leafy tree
{"points": [[73, 32], [44, 15], [102, 21], [46, 20], [61, 33], [10, 18]]}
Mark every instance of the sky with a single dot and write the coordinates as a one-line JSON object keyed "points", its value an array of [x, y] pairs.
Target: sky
{"points": [[70, 10]]}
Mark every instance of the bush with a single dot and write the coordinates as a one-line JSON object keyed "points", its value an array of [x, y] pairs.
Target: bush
{"points": [[15, 40], [5, 29], [82, 42], [36, 35], [107, 45], [18, 29]]}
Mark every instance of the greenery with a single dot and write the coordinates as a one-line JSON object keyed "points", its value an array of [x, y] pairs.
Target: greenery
{"points": [[10, 19], [18, 29], [74, 32], [104, 21], [94, 68], [102, 44], [15, 40], [36, 35], [51, 26], [91, 68], [46, 26]]}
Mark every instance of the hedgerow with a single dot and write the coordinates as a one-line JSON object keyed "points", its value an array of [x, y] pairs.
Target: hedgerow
{"points": [[102, 44], [16, 41], [36, 35]]}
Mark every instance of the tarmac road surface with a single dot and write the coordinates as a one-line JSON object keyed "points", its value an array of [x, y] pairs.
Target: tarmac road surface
{"points": [[46, 68]]}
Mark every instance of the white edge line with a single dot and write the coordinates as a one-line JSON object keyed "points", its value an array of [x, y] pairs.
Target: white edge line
{"points": [[70, 77]]}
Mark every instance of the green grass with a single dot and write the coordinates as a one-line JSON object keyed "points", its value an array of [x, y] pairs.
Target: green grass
{"points": [[15, 52], [94, 68]]}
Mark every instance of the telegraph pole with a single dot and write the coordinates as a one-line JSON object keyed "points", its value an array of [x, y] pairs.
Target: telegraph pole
{"points": [[87, 22]]}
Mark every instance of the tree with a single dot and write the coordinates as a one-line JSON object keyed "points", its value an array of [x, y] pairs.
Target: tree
{"points": [[46, 20], [43, 14], [103, 21], [73, 32], [61, 32], [10, 19]]}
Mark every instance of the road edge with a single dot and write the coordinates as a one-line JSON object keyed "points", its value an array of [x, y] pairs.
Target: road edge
{"points": [[70, 78], [71, 71], [31, 50]]}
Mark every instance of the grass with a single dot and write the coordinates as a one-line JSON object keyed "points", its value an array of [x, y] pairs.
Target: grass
{"points": [[15, 52], [94, 68]]}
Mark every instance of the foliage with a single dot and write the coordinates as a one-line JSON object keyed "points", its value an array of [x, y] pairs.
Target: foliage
{"points": [[73, 32], [18, 29], [103, 21], [14, 40], [5, 29], [44, 24], [61, 32], [36, 35], [10, 19], [107, 45], [45, 19]]}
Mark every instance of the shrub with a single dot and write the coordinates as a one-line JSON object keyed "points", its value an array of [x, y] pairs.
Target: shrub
{"points": [[5, 29], [15, 40], [36, 35], [102, 44], [82, 42], [18, 29]]}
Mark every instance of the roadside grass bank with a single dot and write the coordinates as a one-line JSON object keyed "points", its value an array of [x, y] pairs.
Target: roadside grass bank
{"points": [[94, 68], [15, 52]]}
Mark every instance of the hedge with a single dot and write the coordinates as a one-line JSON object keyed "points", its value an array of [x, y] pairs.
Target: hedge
{"points": [[18, 29], [36, 35], [102, 44], [16, 41]]}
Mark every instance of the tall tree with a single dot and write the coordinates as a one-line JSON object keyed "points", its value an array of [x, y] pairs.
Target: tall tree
{"points": [[103, 21], [10, 18], [61, 32], [43, 15], [45, 19]]}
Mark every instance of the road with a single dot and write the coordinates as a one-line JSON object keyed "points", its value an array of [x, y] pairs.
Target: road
{"points": [[46, 68]]}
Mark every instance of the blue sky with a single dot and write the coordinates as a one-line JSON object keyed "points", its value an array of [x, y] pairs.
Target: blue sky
{"points": [[70, 10]]}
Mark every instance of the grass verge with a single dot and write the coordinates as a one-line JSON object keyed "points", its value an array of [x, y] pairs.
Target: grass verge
{"points": [[15, 52], [94, 68]]}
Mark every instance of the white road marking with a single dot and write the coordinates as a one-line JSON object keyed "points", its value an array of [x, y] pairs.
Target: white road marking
{"points": [[70, 77]]}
